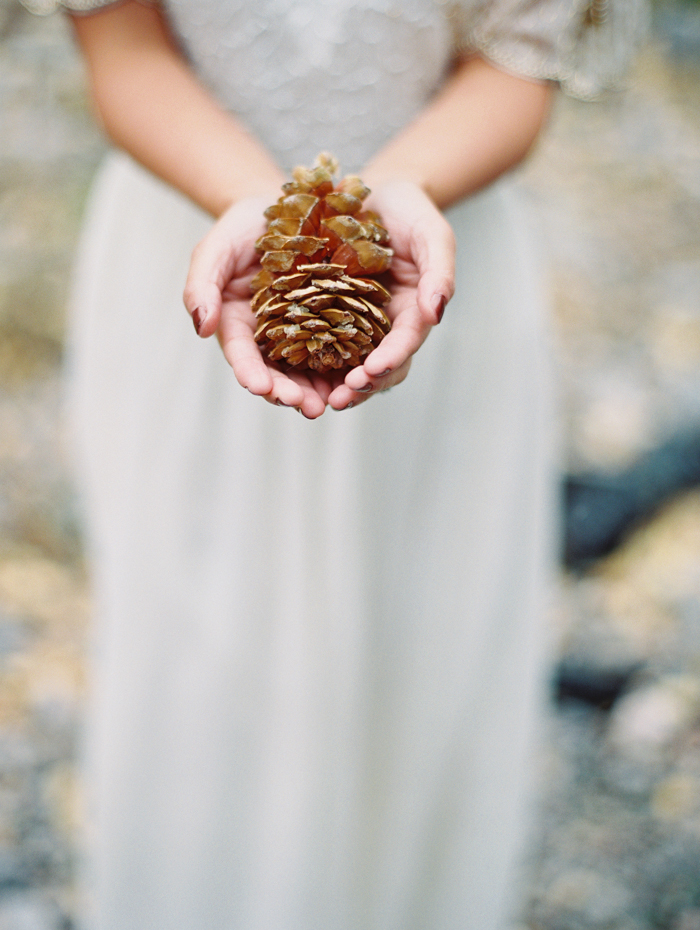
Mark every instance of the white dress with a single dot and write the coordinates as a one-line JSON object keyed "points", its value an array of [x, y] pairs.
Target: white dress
{"points": [[319, 645]]}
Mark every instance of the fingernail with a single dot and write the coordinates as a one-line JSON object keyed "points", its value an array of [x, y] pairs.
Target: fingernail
{"points": [[199, 315], [385, 372], [348, 406], [281, 403], [439, 303], [364, 390]]}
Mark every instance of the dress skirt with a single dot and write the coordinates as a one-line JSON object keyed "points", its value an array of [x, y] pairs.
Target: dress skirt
{"points": [[319, 646]]}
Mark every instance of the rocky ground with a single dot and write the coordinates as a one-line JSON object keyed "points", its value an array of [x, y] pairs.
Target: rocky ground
{"points": [[616, 184]]}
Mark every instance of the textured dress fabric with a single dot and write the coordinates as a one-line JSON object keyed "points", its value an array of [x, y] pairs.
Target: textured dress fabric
{"points": [[585, 45], [319, 646]]}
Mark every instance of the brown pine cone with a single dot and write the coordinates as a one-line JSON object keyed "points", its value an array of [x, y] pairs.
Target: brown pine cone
{"points": [[317, 300]]}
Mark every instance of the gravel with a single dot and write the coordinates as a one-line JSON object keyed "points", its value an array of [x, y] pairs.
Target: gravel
{"points": [[616, 186]]}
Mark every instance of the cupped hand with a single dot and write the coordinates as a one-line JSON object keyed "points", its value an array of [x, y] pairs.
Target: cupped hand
{"points": [[422, 282], [217, 296]]}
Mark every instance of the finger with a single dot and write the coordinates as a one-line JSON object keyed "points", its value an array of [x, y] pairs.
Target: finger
{"points": [[202, 301], [434, 254], [206, 277], [343, 397], [243, 355], [285, 391], [407, 335], [316, 387], [324, 384], [313, 401], [312, 406], [294, 389]]}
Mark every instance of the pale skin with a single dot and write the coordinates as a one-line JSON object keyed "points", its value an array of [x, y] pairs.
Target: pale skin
{"points": [[481, 124]]}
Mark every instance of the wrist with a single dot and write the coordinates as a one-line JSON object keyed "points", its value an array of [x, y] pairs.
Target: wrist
{"points": [[377, 178], [264, 189], [397, 186], [399, 194]]}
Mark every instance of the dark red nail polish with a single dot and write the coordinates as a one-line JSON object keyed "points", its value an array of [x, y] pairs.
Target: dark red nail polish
{"points": [[441, 309], [198, 317]]}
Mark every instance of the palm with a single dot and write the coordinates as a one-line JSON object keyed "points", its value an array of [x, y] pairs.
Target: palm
{"points": [[421, 279]]}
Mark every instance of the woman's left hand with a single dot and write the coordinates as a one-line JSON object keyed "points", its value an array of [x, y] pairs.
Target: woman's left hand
{"points": [[422, 272]]}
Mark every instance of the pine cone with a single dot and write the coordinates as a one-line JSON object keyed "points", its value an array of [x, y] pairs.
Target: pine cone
{"points": [[316, 299]]}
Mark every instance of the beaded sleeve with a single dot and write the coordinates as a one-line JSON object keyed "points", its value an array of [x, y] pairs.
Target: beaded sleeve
{"points": [[585, 45]]}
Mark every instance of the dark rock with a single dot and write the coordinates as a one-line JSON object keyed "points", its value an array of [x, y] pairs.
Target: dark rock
{"points": [[602, 510], [596, 687]]}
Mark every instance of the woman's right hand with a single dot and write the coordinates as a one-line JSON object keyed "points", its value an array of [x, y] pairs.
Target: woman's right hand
{"points": [[217, 296]]}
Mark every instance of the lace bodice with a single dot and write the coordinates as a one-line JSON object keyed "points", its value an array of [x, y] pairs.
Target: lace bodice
{"points": [[345, 75], [308, 75]]}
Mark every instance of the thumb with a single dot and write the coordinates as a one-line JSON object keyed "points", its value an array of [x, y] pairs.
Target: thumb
{"points": [[203, 303], [436, 266], [227, 251]]}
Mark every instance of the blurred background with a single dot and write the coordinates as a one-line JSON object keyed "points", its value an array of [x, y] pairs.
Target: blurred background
{"points": [[616, 190]]}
